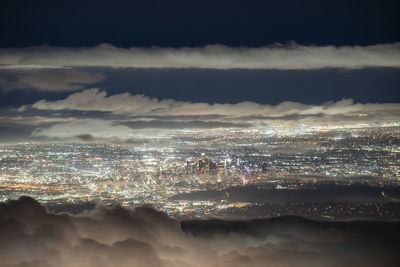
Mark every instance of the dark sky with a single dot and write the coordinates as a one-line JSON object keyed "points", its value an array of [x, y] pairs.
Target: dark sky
{"points": [[197, 23]]}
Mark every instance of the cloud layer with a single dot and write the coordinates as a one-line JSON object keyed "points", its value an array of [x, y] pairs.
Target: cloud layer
{"points": [[32, 236], [286, 57], [141, 105], [94, 115], [83, 128], [48, 79]]}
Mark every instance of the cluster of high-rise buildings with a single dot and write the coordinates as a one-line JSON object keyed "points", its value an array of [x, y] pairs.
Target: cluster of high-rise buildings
{"points": [[193, 161]]}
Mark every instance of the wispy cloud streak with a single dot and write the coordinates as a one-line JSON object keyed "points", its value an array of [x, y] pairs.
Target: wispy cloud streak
{"points": [[285, 57]]}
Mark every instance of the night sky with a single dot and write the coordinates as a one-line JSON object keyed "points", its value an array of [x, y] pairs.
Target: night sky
{"points": [[309, 53], [197, 23]]}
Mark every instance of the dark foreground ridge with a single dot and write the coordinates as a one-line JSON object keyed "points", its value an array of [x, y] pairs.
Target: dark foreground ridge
{"points": [[33, 236]]}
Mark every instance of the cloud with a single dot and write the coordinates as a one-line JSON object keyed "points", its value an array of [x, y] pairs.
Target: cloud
{"points": [[94, 116], [286, 57], [118, 237], [85, 130], [141, 105], [49, 79]]}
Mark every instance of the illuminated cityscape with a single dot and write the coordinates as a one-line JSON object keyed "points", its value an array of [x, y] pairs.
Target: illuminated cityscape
{"points": [[199, 133], [213, 173]]}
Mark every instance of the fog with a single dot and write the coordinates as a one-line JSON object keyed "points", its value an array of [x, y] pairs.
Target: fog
{"points": [[116, 236]]}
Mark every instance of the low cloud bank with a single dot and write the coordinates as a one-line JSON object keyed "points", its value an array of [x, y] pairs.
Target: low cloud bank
{"points": [[286, 57], [32, 236], [86, 130], [140, 105], [96, 115]]}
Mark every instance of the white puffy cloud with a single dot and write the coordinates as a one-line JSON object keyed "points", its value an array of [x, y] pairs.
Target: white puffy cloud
{"points": [[119, 237], [285, 57], [140, 105]]}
